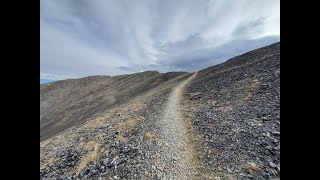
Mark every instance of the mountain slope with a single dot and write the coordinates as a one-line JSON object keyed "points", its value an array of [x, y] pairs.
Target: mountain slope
{"points": [[64, 104], [222, 122], [236, 111]]}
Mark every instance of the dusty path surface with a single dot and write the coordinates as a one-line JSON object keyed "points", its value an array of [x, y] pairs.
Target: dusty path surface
{"points": [[176, 145]]}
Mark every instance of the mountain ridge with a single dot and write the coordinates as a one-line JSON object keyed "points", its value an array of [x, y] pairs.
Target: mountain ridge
{"points": [[223, 121], [65, 96]]}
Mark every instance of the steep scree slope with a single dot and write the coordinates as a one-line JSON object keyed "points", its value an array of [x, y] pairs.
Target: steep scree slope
{"points": [[236, 112]]}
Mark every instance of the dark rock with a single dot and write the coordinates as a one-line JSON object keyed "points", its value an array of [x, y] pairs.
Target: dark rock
{"points": [[194, 96]]}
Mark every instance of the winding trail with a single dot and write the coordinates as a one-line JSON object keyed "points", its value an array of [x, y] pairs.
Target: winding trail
{"points": [[177, 151]]}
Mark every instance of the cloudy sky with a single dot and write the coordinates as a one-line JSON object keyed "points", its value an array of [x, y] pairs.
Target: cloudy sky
{"points": [[94, 37]]}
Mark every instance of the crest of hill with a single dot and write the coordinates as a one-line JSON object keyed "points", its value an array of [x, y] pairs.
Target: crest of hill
{"points": [[69, 102]]}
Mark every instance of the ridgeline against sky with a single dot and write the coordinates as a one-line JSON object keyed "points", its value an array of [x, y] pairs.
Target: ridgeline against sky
{"points": [[81, 38]]}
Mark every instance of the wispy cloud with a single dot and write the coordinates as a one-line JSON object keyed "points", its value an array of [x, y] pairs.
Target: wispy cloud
{"points": [[81, 38]]}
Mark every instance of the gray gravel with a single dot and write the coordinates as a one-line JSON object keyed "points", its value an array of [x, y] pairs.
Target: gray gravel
{"points": [[175, 155]]}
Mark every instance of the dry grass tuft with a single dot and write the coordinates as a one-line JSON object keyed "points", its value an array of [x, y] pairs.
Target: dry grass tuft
{"points": [[253, 87], [129, 124], [93, 152], [46, 163], [149, 136], [215, 178], [96, 122], [122, 138], [251, 167]]}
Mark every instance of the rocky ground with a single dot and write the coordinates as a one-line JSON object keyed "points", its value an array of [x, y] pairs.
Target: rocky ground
{"points": [[66, 103], [220, 123], [120, 144], [236, 113]]}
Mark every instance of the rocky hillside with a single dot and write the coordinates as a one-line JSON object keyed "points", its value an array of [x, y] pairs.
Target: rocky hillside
{"points": [[236, 111], [220, 123], [64, 104]]}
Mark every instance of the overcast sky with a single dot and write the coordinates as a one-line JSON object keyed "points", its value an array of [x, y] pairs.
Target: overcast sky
{"points": [[109, 37]]}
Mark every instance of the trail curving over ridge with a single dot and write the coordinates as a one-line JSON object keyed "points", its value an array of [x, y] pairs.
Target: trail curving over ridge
{"points": [[174, 137]]}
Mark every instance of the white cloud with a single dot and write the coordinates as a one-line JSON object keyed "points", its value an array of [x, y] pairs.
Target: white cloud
{"points": [[80, 38]]}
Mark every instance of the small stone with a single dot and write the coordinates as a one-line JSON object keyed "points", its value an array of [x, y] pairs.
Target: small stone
{"points": [[161, 168], [271, 164], [266, 174], [118, 161], [268, 134], [229, 177], [249, 176], [252, 153], [105, 161], [267, 151], [268, 147], [275, 133], [102, 168], [194, 96], [114, 159]]}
